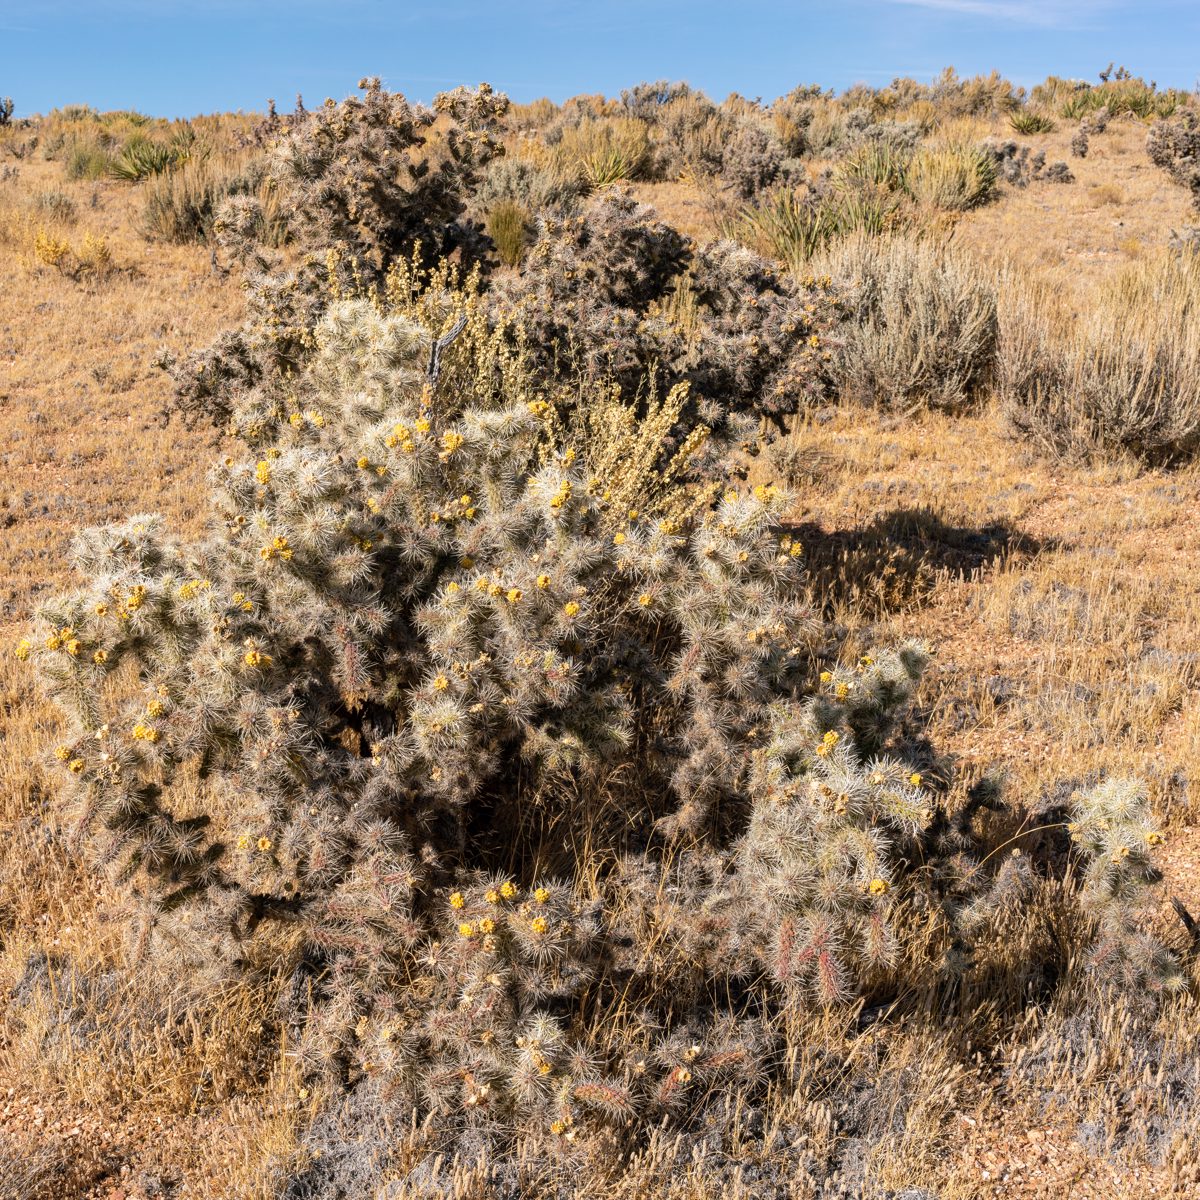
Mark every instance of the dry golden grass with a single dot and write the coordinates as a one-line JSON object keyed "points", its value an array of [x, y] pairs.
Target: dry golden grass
{"points": [[1072, 235], [1060, 599]]}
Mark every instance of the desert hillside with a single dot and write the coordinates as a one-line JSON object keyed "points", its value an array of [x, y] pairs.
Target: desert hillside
{"points": [[997, 476]]}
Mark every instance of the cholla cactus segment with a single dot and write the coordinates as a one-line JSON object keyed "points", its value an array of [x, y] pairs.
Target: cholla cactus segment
{"points": [[815, 864], [1113, 830]]}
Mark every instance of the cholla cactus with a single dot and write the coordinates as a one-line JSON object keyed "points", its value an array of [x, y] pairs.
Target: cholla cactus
{"points": [[403, 605], [610, 292], [752, 159], [6, 111], [1113, 830], [350, 183], [1017, 166], [598, 296], [1175, 147], [422, 658], [1095, 122], [365, 183]]}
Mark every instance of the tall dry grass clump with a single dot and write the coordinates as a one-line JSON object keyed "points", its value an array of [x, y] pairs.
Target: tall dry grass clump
{"points": [[923, 328], [953, 177], [604, 150], [510, 226], [1123, 377], [181, 205]]}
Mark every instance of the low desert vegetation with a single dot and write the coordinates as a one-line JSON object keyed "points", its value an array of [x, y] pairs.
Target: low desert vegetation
{"points": [[626, 647], [1121, 379], [923, 325]]}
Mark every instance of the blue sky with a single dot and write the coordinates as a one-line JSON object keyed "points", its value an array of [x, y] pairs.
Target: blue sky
{"points": [[178, 58]]}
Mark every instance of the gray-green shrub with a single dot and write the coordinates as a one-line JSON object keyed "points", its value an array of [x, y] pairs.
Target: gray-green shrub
{"points": [[923, 324]]}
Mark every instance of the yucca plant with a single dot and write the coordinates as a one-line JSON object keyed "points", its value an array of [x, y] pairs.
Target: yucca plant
{"points": [[1028, 121], [785, 226], [141, 159], [871, 210], [1123, 95], [792, 228], [605, 150]]}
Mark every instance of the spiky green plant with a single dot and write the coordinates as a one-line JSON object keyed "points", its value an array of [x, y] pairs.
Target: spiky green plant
{"points": [[1027, 121], [792, 228], [141, 158], [605, 151], [786, 226]]}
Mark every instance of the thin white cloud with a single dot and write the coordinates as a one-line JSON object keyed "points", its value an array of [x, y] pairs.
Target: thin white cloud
{"points": [[1054, 13]]}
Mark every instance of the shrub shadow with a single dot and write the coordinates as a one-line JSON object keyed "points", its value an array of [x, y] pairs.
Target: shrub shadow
{"points": [[895, 561]]}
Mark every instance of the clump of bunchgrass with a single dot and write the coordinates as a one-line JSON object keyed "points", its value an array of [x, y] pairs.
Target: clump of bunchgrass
{"points": [[509, 225], [1121, 379], [952, 177]]}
